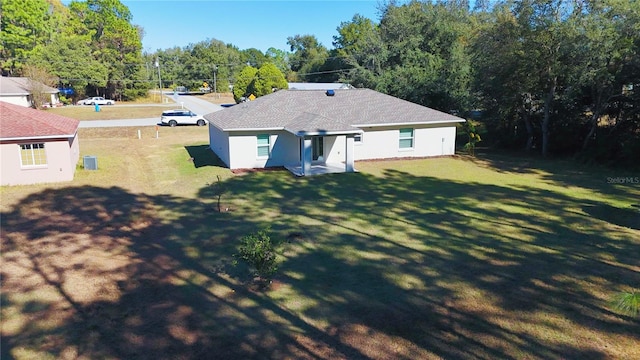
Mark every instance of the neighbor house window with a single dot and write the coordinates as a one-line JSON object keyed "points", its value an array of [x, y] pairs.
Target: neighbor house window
{"points": [[406, 138], [263, 146], [357, 138], [32, 155]]}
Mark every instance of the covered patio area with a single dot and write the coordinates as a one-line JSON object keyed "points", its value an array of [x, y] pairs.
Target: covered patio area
{"points": [[312, 131], [317, 169]]}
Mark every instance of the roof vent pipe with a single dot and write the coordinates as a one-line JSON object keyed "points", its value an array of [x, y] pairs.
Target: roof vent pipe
{"points": [[330, 93]]}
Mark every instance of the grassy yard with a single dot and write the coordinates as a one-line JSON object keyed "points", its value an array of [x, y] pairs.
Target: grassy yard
{"points": [[488, 258], [112, 112]]}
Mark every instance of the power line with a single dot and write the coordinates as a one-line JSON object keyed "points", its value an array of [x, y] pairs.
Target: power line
{"points": [[202, 79], [174, 61]]}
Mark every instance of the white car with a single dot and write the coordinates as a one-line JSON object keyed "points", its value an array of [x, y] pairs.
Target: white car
{"points": [[96, 100], [181, 117]]}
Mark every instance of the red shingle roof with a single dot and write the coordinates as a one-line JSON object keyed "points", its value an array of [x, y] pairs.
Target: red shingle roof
{"points": [[21, 122]]}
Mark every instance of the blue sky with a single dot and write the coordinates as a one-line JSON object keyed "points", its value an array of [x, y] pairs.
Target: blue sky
{"points": [[245, 24]]}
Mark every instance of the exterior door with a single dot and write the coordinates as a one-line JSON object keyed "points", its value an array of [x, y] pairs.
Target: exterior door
{"points": [[317, 147]]}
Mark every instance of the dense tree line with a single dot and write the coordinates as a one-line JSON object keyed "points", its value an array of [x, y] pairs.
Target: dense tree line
{"points": [[90, 46], [550, 76], [222, 67], [93, 47], [555, 77]]}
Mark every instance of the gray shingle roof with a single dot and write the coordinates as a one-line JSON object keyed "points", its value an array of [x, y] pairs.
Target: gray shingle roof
{"points": [[312, 124], [20, 86], [312, 110]]}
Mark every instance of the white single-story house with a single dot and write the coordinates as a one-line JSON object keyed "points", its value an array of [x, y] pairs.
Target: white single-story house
{"points": [[18, 90], [317, 131], [36, 146]]}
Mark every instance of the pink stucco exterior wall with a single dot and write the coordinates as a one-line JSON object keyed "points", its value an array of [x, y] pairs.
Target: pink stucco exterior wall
{"points": [[62, 156]]}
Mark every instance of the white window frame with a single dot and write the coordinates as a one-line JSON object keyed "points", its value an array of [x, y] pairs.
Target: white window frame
{"points": [[259, 146], [38, 159], [401, 138]]}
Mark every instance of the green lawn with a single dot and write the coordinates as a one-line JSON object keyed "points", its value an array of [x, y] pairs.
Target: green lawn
{"points": [[495, 257], [115, 112]]}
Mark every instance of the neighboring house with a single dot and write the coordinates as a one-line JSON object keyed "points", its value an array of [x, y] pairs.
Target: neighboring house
{"points": [[317, 131], [36, 146], [17, 90], [319, 86]]}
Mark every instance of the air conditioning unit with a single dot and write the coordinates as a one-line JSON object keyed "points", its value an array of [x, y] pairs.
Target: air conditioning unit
{"points": [[90, 162]]}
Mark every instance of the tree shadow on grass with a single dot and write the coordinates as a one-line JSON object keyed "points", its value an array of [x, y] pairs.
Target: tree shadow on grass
{"points": [[393, 267], [527, 248], [522, 164], [202, 156], [107, 273], [625, 217], [568, 172]]}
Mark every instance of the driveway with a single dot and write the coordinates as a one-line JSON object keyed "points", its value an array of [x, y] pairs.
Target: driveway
{"points": [[190, 102]]}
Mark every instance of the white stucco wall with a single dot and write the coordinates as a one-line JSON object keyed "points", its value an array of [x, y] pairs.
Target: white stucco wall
{"points": [[219, 143], [54, 99], [334, 149], [238, 150], [62, 157], [243, 147], [383, 142], [74, 153], [22, 100]]}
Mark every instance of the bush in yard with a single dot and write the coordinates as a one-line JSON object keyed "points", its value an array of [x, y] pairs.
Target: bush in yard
{"points": [[474, 138], [259, 251], [628, 302]]}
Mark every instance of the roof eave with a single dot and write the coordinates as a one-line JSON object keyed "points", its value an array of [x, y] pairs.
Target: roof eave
{"points": [[38, 137], [412, 123], [252, 129], [327, 133]]}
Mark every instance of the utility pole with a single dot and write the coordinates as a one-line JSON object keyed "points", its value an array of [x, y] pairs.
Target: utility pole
{"points": [[215, 83], [159, 78]]}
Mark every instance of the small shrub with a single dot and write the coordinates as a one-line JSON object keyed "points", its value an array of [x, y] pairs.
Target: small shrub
{"points": [[219, 189], [65, 100], [474, 138], [628, 302], [259, 251]]}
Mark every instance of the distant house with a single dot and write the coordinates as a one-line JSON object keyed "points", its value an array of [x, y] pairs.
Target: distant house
{"points": [[36, 146], [319, 86], [318, 131], [18, 90]]}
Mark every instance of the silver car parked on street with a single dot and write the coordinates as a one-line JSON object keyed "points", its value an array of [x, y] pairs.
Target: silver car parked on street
{"points": [[96, 100]]}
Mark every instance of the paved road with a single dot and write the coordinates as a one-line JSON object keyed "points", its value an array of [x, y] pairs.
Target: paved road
{"points": [[192, 103]]}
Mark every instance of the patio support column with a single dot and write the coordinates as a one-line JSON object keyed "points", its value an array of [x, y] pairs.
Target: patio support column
{"points": [[306, 155], [348, 154]]}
